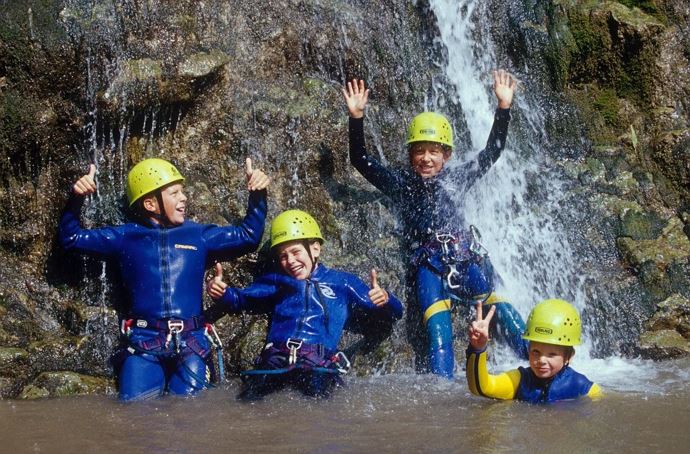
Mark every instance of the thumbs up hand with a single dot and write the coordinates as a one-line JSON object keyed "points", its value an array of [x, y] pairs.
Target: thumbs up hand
{"points": [[256, 179], [215, 286], [377, 295], [86, 184]]}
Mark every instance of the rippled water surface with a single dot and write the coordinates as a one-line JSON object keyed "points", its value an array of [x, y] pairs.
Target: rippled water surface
{"points": [[645, 410]]}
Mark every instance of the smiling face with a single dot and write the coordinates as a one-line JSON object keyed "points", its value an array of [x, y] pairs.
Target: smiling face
{"points": [[294, 258], [546, 360], [174, 204], [427, 158]]}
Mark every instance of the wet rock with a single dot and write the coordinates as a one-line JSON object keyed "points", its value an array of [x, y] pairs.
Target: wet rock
{"points": [[667, 333], [641, 226], [11, 359], [65, 383], [671, 246]]}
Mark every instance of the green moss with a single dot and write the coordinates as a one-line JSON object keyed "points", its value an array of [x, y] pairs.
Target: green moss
{"points": [[606, 103], [648, 6]]}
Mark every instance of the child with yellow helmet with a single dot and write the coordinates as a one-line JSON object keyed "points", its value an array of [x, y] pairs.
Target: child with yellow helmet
{"points": [[448, 260], [162, 260], [553, 328], [310, 306]]}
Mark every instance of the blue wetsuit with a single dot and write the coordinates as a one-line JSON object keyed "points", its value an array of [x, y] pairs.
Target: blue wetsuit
{"points": [[427, 209], [162, 269], [311, 314], [522, 384]]}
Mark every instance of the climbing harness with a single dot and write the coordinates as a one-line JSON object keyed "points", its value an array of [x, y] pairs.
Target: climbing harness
{"points": [[456, 249], [301, 357], [174, 341]]}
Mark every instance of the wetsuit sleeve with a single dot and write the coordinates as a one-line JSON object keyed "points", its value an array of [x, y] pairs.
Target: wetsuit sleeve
{"points": [[481, 383], [103, 241], [258, 298], [473, 170], [595, 392], [359, 298], [384, 179], [245, 237]]}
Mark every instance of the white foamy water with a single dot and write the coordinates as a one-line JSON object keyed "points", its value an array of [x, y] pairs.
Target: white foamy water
{"points": [[528, 247]]}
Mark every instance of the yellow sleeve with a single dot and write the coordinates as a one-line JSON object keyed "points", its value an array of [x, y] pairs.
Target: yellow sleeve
{"points": [[481, 383], [595, 392]]}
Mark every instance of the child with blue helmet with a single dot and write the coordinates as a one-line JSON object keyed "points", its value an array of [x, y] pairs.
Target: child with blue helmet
{"points": [[448, 262], [162, 259], [309, 305], [553, 328]]}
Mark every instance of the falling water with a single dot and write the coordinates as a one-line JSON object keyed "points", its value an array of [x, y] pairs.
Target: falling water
{"points": [[528, 247]]}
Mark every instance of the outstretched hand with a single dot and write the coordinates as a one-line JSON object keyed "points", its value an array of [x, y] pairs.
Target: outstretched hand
{"points": [[216, 287], [356, 98], [479, 329], [504, 88], [377, 295], [257, 180], [86, 184]]}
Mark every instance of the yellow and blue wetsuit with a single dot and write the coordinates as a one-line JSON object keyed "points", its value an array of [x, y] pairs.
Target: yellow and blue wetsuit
{"points": [[522, 384], [427, 208]]}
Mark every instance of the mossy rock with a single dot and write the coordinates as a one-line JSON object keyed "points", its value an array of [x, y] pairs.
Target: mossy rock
{"points": [[11, 359], [671, 246], [65, 383], [664, 344], [641, 226], [202, 64]]}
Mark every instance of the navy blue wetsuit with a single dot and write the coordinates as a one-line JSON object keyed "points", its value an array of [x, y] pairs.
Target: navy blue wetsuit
{"points": [[310, 313], [162, 270], [427, 209]]}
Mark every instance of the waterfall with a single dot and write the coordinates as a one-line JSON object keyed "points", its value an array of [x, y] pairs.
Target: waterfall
{"points": [[516, 205]]}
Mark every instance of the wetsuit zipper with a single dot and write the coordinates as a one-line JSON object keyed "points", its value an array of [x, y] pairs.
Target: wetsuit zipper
{"points": [[165, 274]]}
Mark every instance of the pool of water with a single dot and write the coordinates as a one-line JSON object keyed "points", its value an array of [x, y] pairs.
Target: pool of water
{"points": [[645, 410]]}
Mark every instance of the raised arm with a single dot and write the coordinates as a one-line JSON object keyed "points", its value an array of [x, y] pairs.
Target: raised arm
{"points": [[504, 90], [104, 241], [374, 299], [356, 98], [245, 237], [480, 382]]}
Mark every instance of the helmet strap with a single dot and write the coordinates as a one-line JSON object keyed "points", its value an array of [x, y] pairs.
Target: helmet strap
{"points": [[307, 246]]}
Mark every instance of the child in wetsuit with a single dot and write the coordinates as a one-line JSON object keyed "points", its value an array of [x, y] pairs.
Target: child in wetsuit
{"points": [[162, 260], [310, 305], [553, 328], [447, 259]]}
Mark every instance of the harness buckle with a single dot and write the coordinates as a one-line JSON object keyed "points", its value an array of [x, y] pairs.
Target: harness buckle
{"points": [[452, 272], [175, 327], [293, 345], [341, 362], [212, 336], [126, 326]]}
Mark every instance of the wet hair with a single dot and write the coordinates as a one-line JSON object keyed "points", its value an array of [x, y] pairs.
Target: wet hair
{"points": [[568, 352]]}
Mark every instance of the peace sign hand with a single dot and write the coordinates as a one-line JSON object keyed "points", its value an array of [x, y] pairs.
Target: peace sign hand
{"points": [[479, 329]]}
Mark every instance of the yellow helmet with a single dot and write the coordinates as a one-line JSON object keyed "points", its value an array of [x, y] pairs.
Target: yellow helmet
{"points": [[294, 225], [149, 175], [430, 127], [555, 322]]}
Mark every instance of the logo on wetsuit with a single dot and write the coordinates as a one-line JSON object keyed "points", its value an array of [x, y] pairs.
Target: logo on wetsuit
{"points": [[327, 291], [185, 246]]}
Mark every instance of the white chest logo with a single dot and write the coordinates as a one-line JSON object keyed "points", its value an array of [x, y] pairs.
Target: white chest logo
{"points": [[327, 291]]}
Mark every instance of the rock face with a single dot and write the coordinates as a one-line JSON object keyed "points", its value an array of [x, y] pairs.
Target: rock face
{"points": [[207, 84]]}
